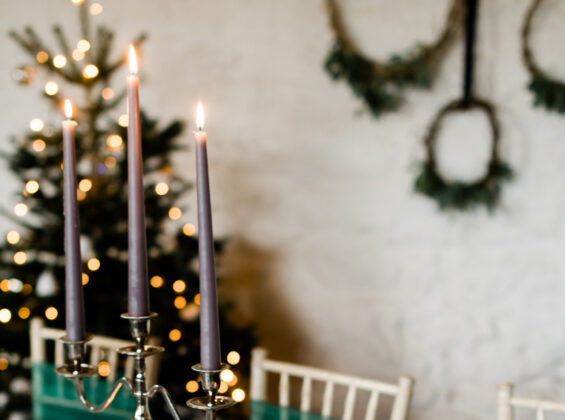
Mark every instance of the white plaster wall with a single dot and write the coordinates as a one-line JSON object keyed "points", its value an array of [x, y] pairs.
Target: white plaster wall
{"points": [[333, 256]]}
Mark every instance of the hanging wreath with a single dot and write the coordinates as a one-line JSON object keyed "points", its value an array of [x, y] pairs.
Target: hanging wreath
{"points": [[380, 84], [456, 194], [548, 91]]}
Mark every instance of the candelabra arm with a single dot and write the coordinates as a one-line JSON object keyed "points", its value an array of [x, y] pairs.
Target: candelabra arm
{"points": [[167, 397], [79, 389]]}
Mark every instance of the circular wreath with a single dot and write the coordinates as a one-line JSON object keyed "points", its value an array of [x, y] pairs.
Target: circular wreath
{"points": [[460, 195], [379, 84], [548, 91]]}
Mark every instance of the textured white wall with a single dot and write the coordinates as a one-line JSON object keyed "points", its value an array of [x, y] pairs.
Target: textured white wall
{"points": [[334, 257]]}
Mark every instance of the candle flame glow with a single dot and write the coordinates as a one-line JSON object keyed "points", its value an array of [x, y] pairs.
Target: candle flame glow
{"points": [[200, 116], [132, 60], [68, 109]]}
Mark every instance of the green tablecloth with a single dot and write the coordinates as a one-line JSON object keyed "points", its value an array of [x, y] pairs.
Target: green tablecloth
{"points": [[261, 410], [54, 397]]}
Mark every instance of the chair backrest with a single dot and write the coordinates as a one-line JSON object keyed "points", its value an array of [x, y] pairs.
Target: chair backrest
{"points": [[98, 347], [506, 402], [260, 366]]}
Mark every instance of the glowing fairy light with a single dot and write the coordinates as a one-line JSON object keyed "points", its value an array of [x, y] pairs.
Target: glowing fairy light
{"points": [[59, 61], [32, 186], [20, 209], [90, 71], [51, 313], [38, 145], [36, 124]]}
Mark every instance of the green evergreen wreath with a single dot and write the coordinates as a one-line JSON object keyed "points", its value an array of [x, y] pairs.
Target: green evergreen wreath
{"points": [[459, 195], [380, 85], [548, 91]]}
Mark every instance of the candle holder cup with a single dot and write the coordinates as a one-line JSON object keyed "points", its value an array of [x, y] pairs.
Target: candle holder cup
{"points": [[76, 369]]}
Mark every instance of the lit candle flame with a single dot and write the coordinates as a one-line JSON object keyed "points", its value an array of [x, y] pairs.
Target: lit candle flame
{"points": [[68, 109], [132, 60], [199, 116]]}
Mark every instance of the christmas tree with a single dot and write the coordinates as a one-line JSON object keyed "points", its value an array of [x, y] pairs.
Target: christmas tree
{"points": [[32, 263]]}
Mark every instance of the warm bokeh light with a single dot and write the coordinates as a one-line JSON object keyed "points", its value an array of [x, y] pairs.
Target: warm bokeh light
{"points": [[24, 312], [51, 313], [5, 315], [197, 298], [78, 1], [68, 109], [38, 145], [27, 289], [189, 229], [93, 264], [96, 9], [200, 116], [51, 88], [175, 335], [90, 71], [238, 394], [83, 45], [32, 186], [20, 257], [20, 209], [77, 55], [156, 281], [180, 302], [132, 60], [42, 57], [227, 375], [5, 285], [85, 279], [110, 161], [179, 286], [233, 358], [13, 237], [107, 93], [36, 124], [85, 185], [104, 368], [3, 363], [161, 188], [81, 195], [223, 387], [59, 61], [123, 120], [233, 381], [114, 141], [192, 386], [175, 213]]}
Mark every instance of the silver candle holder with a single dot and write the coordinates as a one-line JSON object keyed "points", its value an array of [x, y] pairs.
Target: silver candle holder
{"points": [[75, 369]]}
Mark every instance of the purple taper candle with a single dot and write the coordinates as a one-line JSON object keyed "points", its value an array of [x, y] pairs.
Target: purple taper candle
{"points": [[74, 299], [209, 325], [138, 286]]}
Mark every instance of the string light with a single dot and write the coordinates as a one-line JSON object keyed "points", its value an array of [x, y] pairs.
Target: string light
{"points": [[233, 358], [114, 141], [192, 386], [227, 375], [13, 237], [233, 381], [238, 394], [174, 335], [51, 313], [90, 71], [93, 264], [5, 315], [197, 298], [38, 145], [85, 185], [77, 55], [107, 93], [51, 88], [32, 186], [20, 258], [175, 213], [179, 286], [42, 57], [24, 312], [5, 285], [161, 188], [85, 279], [3, 363], [180, 302], [223, 387], [36, 124], [123, 120], [156, 281], [189, 229], [59, 61], [20, 209], [83, 45], [104, 368], [96, 9]]}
